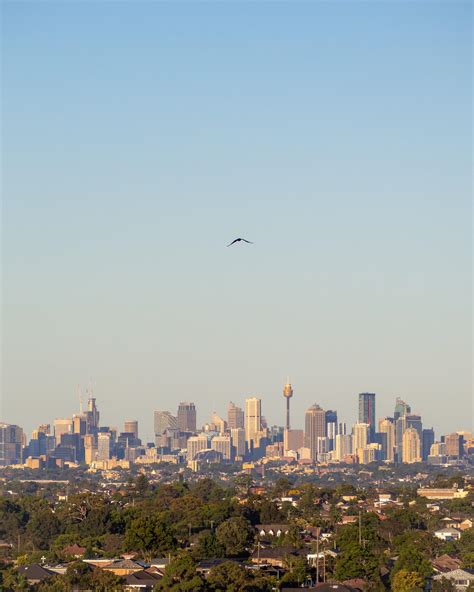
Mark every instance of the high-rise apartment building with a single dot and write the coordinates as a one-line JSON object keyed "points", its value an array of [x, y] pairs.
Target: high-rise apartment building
{"points": [[130, 426], [237, 436], [253, 422], [314, 428], [387, 430], [360, 436], [411, 446], [223, 445], [367, 411], [343, 446], [11, 444], [187, 417], [195, 444], [235, 417]]}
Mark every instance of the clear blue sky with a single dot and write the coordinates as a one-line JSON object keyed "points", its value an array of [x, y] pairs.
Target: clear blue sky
{"points": [[139, 138]]}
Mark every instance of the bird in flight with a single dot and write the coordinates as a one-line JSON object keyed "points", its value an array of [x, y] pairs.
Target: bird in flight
{"points": [[240, 239]]}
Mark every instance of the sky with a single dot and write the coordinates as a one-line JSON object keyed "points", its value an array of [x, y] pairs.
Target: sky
{"points": [[139, 138]]}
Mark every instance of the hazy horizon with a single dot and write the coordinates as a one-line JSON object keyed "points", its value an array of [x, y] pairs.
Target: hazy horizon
{"points": [[139, 140]]}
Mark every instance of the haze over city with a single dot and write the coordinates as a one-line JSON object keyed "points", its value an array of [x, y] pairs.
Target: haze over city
{"points": [[139, 140]]}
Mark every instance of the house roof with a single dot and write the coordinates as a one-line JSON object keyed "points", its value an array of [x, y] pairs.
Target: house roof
{"points": [[446, 562], [465, 574], [142, 578], [124, 564], [274, 552], [34, 571]]}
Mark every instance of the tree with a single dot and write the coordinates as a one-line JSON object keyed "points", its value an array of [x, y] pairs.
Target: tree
{"points": [[298, 571], [235, 534], [407, 581], [412, 559], [181, 576], [208, 547], [227, 577], [43, 527], [150, 535], [443, 585], [142, 485]]}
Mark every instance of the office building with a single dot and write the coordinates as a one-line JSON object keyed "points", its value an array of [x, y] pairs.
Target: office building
{"points": [[287, 393], [237, 437], [292, 440], [253, 422], [79, 424], [367, 411], [454, 445], [223, 445], [360, 436], [235, 417], [92, 415], [62, 426], [195, 444], [427, 440], [90, 449], [11, 444], [387, 431], [187, 417], [414, 421], [315, 427], [104, 440], [401, 409], [130, 426], [411, 446]]}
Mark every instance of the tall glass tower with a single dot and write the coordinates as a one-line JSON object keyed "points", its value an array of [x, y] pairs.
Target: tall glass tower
{"points": [[367, 411]]}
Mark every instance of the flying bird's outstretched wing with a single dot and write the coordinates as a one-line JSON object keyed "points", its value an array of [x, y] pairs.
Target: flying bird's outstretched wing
{"points": [[240, 239]]}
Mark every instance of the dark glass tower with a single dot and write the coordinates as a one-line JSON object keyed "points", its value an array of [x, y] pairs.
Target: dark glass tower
{"points": [[367, 411]]}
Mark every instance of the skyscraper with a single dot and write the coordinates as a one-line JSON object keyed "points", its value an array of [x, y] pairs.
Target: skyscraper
{"points": [[103, 445], [131, 427], [411, 446], [222, 444], [92, 415], [196, 444], [253, 421], [237, 436], [343, 446], [454, 445], [428, 438], [187, 417], [235, 417], [62, 426], [360, 436], [387, 430], [314, 428], [367, 411], [401, 409], [287, 393], [11, 444]]}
